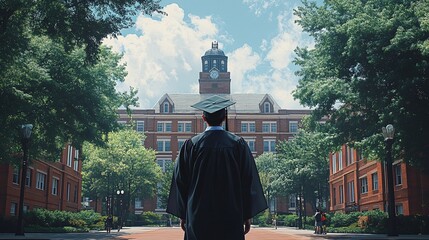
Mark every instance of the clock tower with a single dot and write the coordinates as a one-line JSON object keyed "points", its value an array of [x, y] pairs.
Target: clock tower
{"points": [[214, 77]]}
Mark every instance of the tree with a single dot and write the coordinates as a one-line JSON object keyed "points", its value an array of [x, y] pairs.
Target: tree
{"points": [[64, 98], [55, 75], [303, 168], [369, 68], [266, 164], [123, 163], [73, 23]]}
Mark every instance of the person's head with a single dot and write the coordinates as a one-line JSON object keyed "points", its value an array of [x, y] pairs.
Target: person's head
{"points": [[214, 119]]}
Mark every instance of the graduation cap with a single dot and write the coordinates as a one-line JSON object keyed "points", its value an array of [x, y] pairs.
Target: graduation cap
{"points": [[212, 107]]}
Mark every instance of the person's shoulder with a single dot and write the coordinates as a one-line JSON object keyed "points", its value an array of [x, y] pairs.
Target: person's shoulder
{"points": [[234, 136]]}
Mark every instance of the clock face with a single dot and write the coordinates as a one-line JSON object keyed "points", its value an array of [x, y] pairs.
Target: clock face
{"points": [[214, 74]]}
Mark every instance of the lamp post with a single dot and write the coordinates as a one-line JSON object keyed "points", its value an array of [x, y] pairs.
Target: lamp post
{"points": [[120, 194], [25, 139], [388, 133]]}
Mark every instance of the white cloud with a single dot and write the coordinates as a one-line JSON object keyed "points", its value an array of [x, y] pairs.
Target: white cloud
{"points": [[240, 62], [165, 58]]}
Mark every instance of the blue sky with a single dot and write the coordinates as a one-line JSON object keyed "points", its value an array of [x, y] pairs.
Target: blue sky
{"points": [[163, 53]]}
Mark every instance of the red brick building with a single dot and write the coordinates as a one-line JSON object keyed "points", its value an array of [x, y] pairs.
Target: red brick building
{"points": [[255, 117], [357, 184], [49, 185]]}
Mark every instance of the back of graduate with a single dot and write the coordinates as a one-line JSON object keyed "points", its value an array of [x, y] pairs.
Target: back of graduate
{"points": [[215, 189]]}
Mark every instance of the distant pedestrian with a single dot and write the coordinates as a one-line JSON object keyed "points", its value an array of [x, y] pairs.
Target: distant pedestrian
{"points": [[317, 222], [108, 224], [324, 221]]}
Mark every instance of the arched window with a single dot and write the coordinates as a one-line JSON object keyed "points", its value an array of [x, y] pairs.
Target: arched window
{"points": [[166, 107], [267, 107], [214, 63], [206, 65]]}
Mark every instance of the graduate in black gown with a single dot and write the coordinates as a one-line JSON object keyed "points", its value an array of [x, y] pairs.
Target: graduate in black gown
{"points": [[215, 189]]}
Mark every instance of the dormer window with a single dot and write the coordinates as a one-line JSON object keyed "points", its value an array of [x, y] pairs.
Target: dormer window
{"points": [[206, 65], [267, 107], [166, 107]]}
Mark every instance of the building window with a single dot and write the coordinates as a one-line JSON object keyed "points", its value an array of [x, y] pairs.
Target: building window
{"points": [[374, 178], [340, 160], [334, 196], [55, 186], [140, 126], [269, 145], [76, 160], [69, 155], [341, 192], [267, 107], [184, 126], [292, 201], [364, 185], [399, 208], [13, 208], [248, 127], [398, 174], [180, 143], [350, 157], [137, 203], [28, 178], [40, 181], [122, 122], [166, 107], [293, 126], [351, 191], [75, 194], [164, 126], [68, 192], [15, 175], [164, 163], [251, 144], [269, 127], [164, 145], [334, 163]]}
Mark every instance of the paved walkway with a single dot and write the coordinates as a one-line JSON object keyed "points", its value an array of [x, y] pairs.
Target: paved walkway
{"points": [[175, 233]]}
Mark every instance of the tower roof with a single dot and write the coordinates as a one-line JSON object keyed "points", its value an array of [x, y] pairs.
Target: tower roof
{"points": [[215, 50]]}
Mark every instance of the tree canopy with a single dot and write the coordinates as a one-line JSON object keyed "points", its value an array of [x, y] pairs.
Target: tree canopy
{"points": [[122, 164], [368, 68], [303, 167], [72, 23], [55, 75]]}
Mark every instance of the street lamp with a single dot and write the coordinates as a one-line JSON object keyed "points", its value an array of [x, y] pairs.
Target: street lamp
{"points": [[120, 193], [388, 133], [25, 139]]}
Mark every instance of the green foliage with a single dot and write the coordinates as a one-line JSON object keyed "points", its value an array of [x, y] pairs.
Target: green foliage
{"points": [[61, 221], [369, 68], [302, 167], [344, 219], [289, 220], [150, 218], [263, 219], [123, 163]]}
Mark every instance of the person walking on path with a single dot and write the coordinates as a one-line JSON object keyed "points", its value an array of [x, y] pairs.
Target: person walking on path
{"points": [[215, 188], [317, 221], [109, 223]]}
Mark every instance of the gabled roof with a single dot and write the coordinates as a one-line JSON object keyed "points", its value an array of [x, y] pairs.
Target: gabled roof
{"points": [[245, 103]]}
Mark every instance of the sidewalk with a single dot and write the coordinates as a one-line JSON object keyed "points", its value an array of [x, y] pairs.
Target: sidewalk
{"points": [[175, 233]]}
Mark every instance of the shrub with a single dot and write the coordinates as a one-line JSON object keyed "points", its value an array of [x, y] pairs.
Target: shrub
{"points": [[150, 218], [343, 219], [289, 220]]}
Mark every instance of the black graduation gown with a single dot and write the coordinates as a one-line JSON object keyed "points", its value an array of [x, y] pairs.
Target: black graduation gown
{"points": [[215, 186]]}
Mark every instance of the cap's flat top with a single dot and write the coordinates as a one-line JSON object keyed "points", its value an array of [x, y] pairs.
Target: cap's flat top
{"points": [[213, 104]]}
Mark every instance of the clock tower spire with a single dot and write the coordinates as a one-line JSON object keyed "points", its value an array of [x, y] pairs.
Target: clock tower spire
{"points": [[214, 77]]}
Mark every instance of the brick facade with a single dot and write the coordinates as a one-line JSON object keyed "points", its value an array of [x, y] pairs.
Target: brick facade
{"points": [[357, 184], [51, 185]]}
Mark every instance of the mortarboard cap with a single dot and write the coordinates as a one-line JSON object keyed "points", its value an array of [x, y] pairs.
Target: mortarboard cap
{"points": [[213, 104]]}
